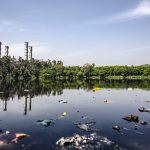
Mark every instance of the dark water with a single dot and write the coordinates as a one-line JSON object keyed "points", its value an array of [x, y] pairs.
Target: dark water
{"points": [[20, 110]]}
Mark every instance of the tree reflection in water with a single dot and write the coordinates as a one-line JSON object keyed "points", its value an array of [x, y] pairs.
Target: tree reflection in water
{"points": [[30, 89]]}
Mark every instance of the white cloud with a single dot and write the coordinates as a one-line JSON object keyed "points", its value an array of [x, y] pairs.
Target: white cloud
{"points": [[142, 9]]}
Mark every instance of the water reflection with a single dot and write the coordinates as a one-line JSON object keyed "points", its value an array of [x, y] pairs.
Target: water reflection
{"points": [[31, 89], [22, 104], [27, 104]]}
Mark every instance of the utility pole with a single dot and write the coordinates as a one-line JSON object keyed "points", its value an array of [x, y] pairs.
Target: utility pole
{"points": [[0, 49], [6, 51], [26, 49]]}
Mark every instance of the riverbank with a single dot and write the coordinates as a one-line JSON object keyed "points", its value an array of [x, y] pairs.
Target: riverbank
{"points": [[128, 77]]}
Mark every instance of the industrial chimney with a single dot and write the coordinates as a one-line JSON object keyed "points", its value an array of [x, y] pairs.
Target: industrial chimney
{"points": [[26, 50], [6, 51], [0, 49], [30, 51]]}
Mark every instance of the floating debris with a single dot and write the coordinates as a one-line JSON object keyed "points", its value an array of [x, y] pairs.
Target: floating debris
{"points": [[143, 123], [8, 132], [107, 101], [105, 140], [86, 126], [63, 115], [88, 142], [116, 128], [84, 117], [131, 118], [46, 123], [142, 109], [96, 89], [20, 136], [62, 102]]}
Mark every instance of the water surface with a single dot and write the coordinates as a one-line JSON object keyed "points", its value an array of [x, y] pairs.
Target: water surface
{"points": [[20, 110]]}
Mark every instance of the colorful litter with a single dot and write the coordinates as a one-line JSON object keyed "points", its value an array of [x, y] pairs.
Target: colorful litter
{"points": [[96, 89]]}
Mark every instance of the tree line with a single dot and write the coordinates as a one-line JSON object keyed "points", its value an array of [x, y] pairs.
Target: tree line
{"points": [[20, 69]]}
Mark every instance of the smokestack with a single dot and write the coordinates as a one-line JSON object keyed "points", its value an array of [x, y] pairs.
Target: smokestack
{"points": [[6, 51], [30, 50], [26, 50], [0, 49]]}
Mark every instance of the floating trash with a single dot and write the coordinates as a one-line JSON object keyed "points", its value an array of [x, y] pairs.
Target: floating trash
{"points": [[84, 117], [142, 109], [96, 89], [131, 118], [46, 123], [62, 102], [20, 136], [105, 141], [107, 101], [143, 123], [8, 140], [116, 128], [64, 114], [7, 132], [88, 142], [86, 126]]}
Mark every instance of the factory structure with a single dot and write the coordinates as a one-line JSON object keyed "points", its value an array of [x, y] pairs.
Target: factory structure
{"points": [[28, 51]]}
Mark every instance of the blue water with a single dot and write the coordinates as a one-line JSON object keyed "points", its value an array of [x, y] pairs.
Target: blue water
{"points": [[20, 115]]}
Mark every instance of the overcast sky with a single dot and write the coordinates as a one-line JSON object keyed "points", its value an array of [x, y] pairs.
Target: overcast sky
{"points": [[104, 32]]}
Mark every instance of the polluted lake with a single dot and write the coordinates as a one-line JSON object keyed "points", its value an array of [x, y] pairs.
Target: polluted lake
{"points": [[90, 115]]}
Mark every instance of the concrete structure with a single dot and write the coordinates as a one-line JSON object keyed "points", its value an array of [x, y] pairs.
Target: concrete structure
{"points": [[30, 51], [6, 51], [0, 49], [26, 50]]}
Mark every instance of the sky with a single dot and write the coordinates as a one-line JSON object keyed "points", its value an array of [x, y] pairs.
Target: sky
{"points": [[104, 32]]}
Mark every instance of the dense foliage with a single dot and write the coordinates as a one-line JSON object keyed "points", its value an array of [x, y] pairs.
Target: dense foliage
{"points": [[11, 68]]}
